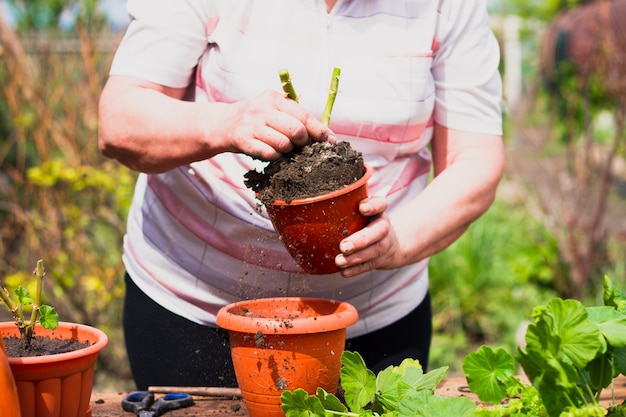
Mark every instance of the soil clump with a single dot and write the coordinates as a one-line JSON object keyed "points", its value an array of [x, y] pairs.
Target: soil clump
{"points": [[315, 169]]}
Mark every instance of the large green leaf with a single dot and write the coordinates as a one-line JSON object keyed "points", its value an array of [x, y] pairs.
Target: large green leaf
{"points": [[562, 328], [487, 371], [358, 382], [439, 407], [613, 297], [612, 324], [299, 404]]}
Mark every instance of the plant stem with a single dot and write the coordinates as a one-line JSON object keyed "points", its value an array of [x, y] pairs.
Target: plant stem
{"points": [[13, 308], [39, 273], [332, 94], [285, 79]]}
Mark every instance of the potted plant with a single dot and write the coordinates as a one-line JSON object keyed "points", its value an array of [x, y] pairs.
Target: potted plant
{"points": [[58, 383], [285, 343], [312, 194], [572, 353]]}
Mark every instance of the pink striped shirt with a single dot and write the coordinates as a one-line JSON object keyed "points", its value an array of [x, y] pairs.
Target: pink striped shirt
{"points": [[196, 239]]}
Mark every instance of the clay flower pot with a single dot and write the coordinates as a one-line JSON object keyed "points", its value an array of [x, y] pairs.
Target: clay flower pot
{"points": [[8, 391], [285, 343], [57, 385], [312, 228]]}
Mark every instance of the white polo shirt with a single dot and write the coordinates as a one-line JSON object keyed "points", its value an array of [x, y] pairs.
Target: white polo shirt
{"points": [[196, 239]]}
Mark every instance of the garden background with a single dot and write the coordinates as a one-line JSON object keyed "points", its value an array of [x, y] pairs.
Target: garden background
{"points": [[557, 227]]}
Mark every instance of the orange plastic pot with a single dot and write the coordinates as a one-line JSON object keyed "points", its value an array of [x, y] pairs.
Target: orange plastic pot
{"points": [[57, 385], [8, 391], [285, 343], [312, 228]]}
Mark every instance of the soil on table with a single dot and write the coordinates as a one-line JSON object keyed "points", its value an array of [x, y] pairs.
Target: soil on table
{"points": [[41, 346], [313, 170]]}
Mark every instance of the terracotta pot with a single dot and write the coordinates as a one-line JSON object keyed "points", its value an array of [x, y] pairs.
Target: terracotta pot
{"points": [[57, 385], [285, 343], [312, 228], [8, 391]]}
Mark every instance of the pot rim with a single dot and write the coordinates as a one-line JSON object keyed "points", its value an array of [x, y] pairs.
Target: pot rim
{"points": [[348, 188], [233, 316], [100, 342]]}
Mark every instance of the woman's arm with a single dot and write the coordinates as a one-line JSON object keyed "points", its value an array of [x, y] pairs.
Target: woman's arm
{"points": [[149, 128], [468, 168]]}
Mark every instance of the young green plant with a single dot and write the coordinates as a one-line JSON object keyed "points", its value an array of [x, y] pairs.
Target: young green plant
{"points": [[39, 313], [572, 353]]}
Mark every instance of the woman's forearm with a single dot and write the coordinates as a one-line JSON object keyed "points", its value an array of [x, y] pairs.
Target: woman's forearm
{"points": [[463, 189], [150, 129]]}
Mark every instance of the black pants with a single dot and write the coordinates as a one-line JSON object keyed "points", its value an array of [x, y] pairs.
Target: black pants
{"points": [[165, 349]]}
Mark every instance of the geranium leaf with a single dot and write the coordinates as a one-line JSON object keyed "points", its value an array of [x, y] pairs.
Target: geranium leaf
{"points": [[330, 401], [439, 407], [614, 297], [487, 371], [300, 404], [611, 324], [23, 296], [48, 317], [563, 329], [358, 382]]}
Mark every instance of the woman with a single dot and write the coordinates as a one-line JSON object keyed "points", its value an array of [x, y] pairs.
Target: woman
{"points": [[194, 102]]}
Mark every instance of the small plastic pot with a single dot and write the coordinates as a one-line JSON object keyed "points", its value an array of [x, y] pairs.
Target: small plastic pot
{"points": [[312, 228], [57, 385], [285, 343]]}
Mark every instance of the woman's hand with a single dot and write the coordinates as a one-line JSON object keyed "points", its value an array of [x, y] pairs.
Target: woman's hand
{"points": [[269, 125], [376, 246], [150, 128]]}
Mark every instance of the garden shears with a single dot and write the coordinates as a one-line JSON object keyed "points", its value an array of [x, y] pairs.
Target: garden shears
{"points": [[142, 403]]}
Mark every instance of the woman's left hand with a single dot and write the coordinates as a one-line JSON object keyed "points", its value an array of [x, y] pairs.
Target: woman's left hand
{"points": [[376, 246]]}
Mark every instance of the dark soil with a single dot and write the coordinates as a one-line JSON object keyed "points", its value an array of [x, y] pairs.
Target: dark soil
{"points": [[313, 170], [41, 346]]}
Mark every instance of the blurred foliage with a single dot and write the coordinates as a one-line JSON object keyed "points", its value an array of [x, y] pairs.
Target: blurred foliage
{"points": [[485, 285], [46, 15], [60, 199], [543, 10]]}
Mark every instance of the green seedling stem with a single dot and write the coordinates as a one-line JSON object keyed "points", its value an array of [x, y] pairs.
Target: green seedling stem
{"points": [[332, 94], [285, 79]]}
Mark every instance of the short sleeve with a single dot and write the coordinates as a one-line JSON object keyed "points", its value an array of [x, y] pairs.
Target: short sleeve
{"points": [[465, 69], [164, 40]]}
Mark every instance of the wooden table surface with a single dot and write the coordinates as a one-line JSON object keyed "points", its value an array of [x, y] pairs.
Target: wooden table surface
{"points": [[109, 404]]}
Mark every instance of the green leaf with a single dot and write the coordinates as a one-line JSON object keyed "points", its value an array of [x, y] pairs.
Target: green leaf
{"points": [[48, 317], [358, 382], [428, 381], [619, 361], [300, 404], [487, 372], [387, 395], [614, 297], [23, 296], [330, 401], [412, 402], [611, 324], [440, 407], [563, 330]]}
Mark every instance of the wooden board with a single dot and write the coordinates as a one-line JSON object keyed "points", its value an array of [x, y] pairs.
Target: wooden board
{"points": [[109, 404]]}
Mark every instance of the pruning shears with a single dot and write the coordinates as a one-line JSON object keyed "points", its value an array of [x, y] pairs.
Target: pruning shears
{"points": [[142, 403]]}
